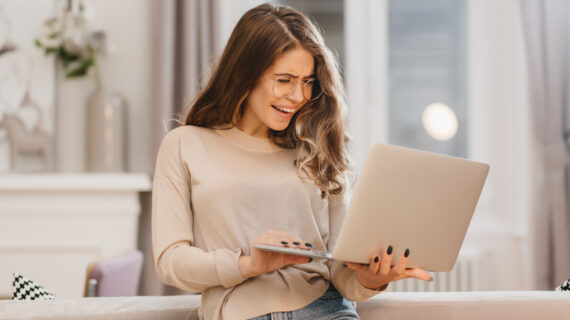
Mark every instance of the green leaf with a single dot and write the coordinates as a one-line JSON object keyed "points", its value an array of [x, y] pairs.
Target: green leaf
{"points": [[51, 50], [38, 43], [66, 57], [50, 21], [81, 70]]}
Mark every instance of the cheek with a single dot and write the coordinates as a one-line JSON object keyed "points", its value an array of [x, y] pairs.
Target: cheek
{"points": [[260, 98]]}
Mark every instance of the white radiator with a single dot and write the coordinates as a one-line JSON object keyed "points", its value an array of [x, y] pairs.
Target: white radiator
{"points": [[466, 275]]}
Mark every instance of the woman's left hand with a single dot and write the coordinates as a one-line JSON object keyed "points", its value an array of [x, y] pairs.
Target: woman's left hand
{"points": [[380, 272]]}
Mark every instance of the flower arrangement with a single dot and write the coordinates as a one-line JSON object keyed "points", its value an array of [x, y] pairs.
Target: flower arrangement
{"points": [[70, 38]]}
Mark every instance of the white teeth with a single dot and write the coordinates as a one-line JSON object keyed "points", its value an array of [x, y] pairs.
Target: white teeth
{"points": [[286, 109]]}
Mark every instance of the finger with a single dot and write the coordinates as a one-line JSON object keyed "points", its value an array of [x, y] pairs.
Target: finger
{"points": [[386, 262], [272, 241], [282, 238], [356, 266], [276, 237], [374, 265], [298, 243], [417, 273], [273, 237], [402, 263], [308, 246], [288, 240], [294, 259], [293, 243]]}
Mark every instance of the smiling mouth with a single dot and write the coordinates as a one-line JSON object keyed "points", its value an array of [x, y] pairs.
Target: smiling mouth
{"points": [[284, 110]]}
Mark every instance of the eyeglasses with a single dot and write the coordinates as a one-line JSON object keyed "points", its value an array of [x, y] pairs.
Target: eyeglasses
{"points": [[284, 86]]}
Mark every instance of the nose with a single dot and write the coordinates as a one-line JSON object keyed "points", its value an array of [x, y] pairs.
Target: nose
{"points": [[296, 94]]}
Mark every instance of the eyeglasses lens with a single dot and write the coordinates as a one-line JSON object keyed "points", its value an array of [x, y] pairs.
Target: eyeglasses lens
{"points": [[286, 86]]}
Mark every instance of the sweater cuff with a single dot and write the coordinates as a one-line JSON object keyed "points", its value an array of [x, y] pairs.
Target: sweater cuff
{"points": [[227, 267], [364, 293]]}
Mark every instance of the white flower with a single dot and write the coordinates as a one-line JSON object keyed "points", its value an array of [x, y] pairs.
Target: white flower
{"points": [[69, 36]]}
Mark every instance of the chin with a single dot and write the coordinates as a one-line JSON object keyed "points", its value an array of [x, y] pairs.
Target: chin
{"points": [[280, 126]]}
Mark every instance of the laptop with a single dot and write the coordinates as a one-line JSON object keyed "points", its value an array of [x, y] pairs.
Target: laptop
{"points": [[407, 198]]}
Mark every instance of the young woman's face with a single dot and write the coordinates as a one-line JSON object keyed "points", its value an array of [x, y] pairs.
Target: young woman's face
{"points": [[269, 105]]}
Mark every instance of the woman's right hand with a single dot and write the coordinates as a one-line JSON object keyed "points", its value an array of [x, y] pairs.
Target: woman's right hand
{"points": [[262, 261]]}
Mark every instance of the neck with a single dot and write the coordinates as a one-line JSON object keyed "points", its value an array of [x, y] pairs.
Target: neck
{"points": [[258, 132], [253, 128]]}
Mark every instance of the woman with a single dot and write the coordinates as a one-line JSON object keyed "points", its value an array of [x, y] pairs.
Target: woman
{"points": [[263, 150]]}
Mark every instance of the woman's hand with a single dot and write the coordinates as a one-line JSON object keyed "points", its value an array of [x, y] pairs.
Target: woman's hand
{"points": [[262, 261], [380, 272]]}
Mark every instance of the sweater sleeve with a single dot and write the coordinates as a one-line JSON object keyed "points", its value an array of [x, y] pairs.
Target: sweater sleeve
{"points": [[343, 278], [178, 262]]}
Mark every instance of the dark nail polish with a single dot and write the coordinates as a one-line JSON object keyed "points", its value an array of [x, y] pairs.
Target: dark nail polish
{"points": [[296, 243], [344, 264], [389, 251], [310, 260], [308, 245], [407, 253], [284, 242], [376, 259]]}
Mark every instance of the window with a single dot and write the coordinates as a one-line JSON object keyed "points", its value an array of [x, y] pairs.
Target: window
{"points": [[426, 65]]}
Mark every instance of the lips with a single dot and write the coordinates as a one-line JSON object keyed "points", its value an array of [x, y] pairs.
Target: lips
{"points": [[284, 109]]}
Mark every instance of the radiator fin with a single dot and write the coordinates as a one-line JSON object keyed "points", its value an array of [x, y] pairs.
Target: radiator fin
{"points": [[464, 276]]}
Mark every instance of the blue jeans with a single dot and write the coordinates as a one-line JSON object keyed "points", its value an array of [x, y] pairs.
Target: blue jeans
{"points": [[331, 305]]}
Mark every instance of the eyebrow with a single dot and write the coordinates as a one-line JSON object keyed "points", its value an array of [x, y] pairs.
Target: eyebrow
{"points": [[312, 76]]}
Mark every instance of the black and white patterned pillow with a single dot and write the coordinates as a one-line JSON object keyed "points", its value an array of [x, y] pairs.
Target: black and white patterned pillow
{"points": [[25, 289], [565, 286]]}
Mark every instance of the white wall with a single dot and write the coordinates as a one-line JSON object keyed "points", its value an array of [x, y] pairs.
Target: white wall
{"points": [[127, 69], [366, 43], [500, 134]]}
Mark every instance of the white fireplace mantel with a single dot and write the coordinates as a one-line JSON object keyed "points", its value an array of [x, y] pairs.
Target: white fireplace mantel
{"points": [[77, 182], [53, 225]]}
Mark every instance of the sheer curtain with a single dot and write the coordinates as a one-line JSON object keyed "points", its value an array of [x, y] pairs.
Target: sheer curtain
{"points": [[546, 27]]}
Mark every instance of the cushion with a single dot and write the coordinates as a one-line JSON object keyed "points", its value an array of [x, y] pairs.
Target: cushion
{"points": [[565, 286], [26, 289]]}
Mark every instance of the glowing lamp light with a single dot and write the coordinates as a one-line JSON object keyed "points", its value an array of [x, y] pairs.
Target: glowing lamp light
{"points": [[439, 121]]}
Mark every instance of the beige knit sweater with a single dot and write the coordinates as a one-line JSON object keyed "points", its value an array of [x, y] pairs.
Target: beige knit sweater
{"points": [[214, 191]]}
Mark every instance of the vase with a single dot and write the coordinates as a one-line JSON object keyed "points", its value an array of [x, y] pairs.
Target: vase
{"points": [[106, 129], [4, 150], [71, 96]]}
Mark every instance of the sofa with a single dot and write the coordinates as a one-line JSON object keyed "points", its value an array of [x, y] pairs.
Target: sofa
{"points": [[389, 305]]}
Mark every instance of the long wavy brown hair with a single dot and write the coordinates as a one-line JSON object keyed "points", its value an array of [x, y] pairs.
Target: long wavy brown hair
{"points": [[318, 130]]}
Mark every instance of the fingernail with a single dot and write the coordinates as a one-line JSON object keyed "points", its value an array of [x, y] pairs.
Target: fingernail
{"points": [[407, 253], [344, 264], [389, 251], [296, 243], [308, 245], [284, 242], [310, 260], [376, 259], [430, 279]]}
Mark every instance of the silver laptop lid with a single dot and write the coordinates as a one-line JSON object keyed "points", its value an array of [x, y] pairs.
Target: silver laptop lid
{"points": [[411, 199]]}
